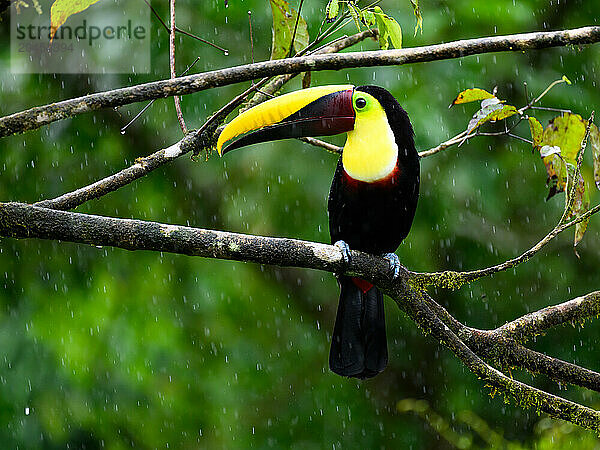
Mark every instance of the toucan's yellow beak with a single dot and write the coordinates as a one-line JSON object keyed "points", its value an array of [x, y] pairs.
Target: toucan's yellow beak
{"points": [[317, 111]]}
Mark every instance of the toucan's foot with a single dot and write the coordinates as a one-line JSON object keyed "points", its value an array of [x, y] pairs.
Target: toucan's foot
{"points": [[394, 263], [345, 249]]}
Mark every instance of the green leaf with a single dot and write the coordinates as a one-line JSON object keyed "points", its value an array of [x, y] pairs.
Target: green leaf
{"points": [[355, 13], [566, 132], [595, 143], [368, 18], [284, 21], [395, 31], [537, 131], [389, 30], [382, 27], [418, 17], [471, 95], [332, 10], [61, 10]]}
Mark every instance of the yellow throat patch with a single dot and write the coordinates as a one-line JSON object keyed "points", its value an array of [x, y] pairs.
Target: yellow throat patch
{"points": [[370, 153]]}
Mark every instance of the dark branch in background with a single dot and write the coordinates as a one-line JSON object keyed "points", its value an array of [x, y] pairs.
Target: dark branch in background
{"points": [[24, 221], [42, 115], [194, 141], [533, 324], [501, 345]]}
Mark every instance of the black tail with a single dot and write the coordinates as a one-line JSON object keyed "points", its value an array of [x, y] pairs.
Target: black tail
{"points": [[359, 344]]}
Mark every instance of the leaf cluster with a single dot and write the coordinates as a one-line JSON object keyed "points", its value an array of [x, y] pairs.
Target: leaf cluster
{"points": [[560, 145]]}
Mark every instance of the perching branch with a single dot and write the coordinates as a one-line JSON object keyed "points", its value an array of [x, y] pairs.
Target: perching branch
{"points": [[42, 115], [25, 221]]}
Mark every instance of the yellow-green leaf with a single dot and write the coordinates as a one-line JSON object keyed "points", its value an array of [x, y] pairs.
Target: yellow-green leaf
{"points": [[368, 18], [355, 13], [418, 16], [61, 10], [557, 173], [490, 112], [389, 30], [502, 113], [537, 130], [382, 27], [284, 22], [332, 10], [394, 31], [566, 132], [471, 95], [581, 204], [595, 143]]}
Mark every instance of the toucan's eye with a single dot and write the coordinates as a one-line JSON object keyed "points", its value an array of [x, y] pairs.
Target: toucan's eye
{"points": [[360, 103]]}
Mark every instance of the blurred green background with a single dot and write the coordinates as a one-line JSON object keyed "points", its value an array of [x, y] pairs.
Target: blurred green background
{"points": [[106, 348]]}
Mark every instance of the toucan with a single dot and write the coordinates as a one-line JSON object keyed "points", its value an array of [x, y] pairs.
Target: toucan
{"points": [[372, 200]]}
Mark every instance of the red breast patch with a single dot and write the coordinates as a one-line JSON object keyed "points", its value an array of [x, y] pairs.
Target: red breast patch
{"points": [[363, 285]]}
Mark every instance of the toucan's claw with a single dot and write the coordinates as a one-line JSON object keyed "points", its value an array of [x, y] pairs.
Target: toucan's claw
{"points": [[394, 263], [345, 249]]}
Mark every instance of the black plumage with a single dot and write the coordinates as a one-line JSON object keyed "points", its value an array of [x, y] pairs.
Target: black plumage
{"points": [[373, 217]]}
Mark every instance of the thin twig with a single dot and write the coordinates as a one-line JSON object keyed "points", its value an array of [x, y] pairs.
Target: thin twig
{"points": [[138, 115], [331, 148], [539, 97], [444, 145], [251, 38], [172, 67], [545, 108], [198, 38], [454, 280], [295, 29]]}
